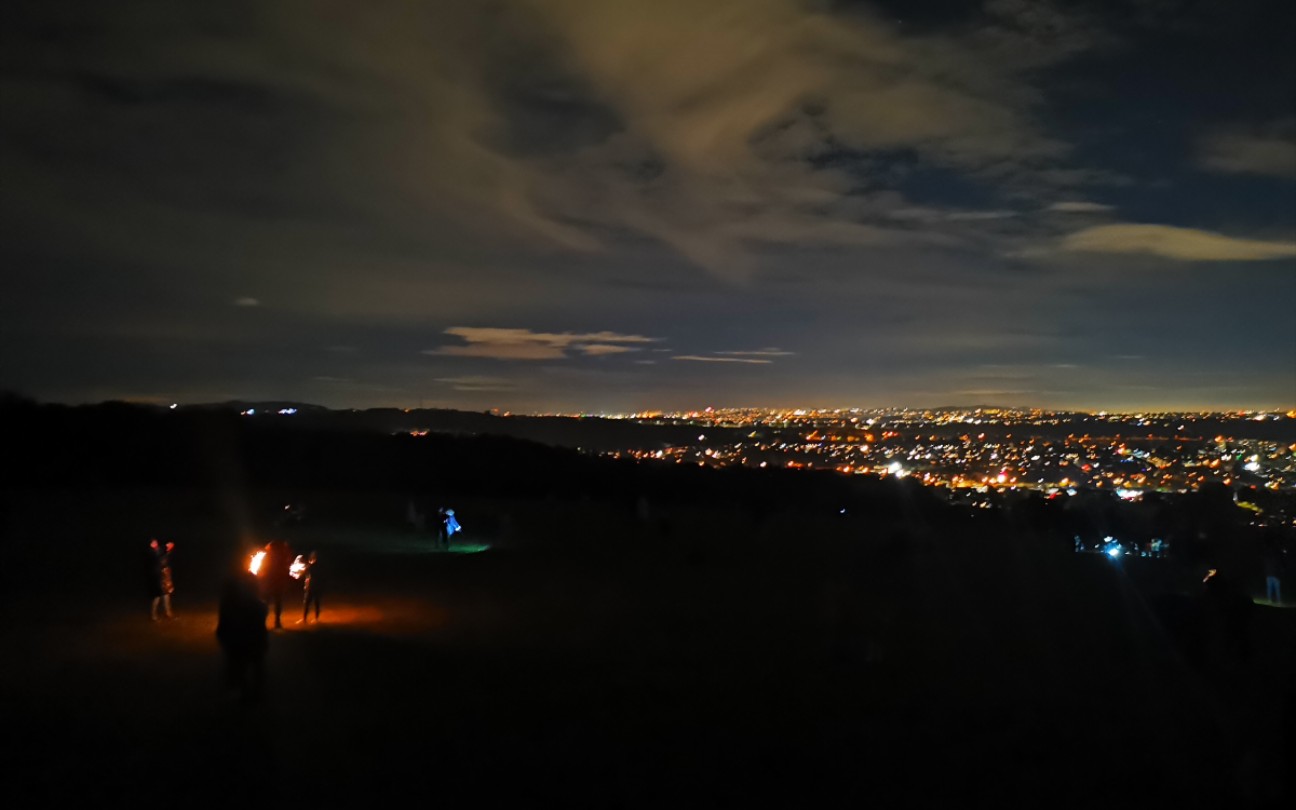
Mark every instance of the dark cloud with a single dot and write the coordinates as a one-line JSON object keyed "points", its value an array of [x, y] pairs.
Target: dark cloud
{"points": [[198, 198], [1266, 150]]}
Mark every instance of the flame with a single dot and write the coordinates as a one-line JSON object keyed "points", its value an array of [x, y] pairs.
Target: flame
{"points": [[297, 568], [255, 565]]}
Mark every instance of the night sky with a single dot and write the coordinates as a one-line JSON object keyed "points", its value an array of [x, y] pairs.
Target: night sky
{"points": [[603, 206]]}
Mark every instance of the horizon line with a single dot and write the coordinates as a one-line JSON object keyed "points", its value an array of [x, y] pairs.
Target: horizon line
{"points": [[1288, 411]]}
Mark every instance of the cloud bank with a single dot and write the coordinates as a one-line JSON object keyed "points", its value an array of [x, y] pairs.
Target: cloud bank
{"points": [[1184, 244], [524, 344]]}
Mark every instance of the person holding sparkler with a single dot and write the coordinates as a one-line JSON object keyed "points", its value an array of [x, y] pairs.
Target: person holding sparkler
{"points": [[310, 586], [161, 585], [276, 577]]}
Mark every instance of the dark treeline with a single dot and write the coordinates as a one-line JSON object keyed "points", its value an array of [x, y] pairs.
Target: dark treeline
{"points": [[118, 444], [599, 434], [125, 445]]}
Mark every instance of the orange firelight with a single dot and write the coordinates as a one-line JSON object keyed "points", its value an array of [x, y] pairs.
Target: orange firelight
{"points": [[255, 565]]}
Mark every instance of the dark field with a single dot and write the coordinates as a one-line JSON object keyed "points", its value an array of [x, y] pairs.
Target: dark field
{"points": [[585, 656]]}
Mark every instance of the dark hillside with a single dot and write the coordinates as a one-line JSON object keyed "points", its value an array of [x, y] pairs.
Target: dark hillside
{"points": [[607, 633], [123, 445]]}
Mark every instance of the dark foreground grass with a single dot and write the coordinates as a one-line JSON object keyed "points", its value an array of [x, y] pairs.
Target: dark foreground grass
{"points": [[583, 657]]}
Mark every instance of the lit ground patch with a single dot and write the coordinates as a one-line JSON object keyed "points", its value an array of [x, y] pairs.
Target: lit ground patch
{"points": [[345, 615], [377, 541]]}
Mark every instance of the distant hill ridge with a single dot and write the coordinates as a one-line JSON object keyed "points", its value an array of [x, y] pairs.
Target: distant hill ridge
{"points": [[603, 434], [118, 444]]}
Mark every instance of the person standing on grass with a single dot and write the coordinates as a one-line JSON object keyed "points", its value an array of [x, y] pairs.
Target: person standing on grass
{"points": [[1275, 565], [241, 633], [415, 517], [161, 585], [310, 588], [449, 526], [276, 576], [1233, 610]]}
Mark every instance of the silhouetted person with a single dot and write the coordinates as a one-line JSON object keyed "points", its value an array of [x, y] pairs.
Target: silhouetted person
{"points": [[415, 517], [1233, 607], [311, 584], [449, 526], [276, 576], [241, 631], [160, 583], [1182, 619], [1275, 566]]}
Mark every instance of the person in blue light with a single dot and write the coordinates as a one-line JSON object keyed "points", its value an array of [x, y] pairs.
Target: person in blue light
{"points": [[1275, 565], [449, 527]]}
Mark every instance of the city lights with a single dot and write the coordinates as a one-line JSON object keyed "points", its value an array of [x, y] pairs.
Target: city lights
{"points": [[1051, 452]]}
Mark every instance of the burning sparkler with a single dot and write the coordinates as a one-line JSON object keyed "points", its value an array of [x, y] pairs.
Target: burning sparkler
{"points": [[297, 568], [255, 564]]}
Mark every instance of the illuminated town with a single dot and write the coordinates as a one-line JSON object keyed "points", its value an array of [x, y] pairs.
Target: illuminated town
{"points": [[983, 448]]}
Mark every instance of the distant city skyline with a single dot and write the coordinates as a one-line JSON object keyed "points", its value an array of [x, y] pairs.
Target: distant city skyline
{"points": [[591, 206]]}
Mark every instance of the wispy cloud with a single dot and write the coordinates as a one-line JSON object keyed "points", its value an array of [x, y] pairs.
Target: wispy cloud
{"points": [[977, 216], [769, 352], [598, 349], [352, 384], [709, 128], [1268, 150], [759, 357], [714, 156], [996, 392], [478, 383], [1079, 207], [523, 344], [1184, 244], [697, 358], [247, 302]]}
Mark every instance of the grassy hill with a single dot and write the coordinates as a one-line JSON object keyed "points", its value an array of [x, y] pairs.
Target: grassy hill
{"points": [[582, 654], [606, 634]]}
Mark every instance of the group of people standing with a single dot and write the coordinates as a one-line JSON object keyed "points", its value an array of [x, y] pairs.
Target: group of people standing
{"points": [[279, 572], [250, 594], [248, 597], [275, 576], [445, 525]]}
